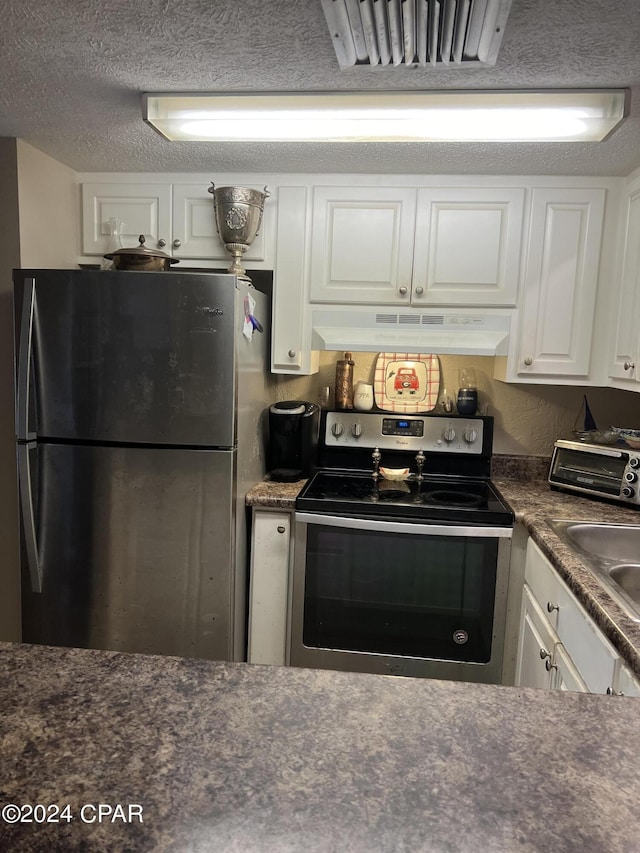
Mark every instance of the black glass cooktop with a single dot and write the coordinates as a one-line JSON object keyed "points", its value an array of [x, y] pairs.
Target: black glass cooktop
{"points": [[446, 499]]}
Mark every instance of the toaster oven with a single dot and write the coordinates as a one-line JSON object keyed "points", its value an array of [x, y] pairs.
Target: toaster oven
{"points": [[593, 469]]}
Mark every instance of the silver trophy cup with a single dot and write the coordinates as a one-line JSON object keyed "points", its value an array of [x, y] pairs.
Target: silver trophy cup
{"points": [[238, 212]]}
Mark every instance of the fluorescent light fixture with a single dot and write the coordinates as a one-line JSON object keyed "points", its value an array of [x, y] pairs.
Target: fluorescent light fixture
{"points": [[445, 116]]}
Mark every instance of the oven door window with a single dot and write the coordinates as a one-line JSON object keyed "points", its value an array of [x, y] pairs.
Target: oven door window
{"points": [[412, 595]]}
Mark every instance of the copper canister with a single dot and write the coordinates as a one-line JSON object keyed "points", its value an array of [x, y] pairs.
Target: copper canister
{"points": [[344, 382]]}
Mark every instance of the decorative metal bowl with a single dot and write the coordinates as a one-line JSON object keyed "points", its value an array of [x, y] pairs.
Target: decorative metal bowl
{"points": [[597, 436], [630, 436], [394, 473]]}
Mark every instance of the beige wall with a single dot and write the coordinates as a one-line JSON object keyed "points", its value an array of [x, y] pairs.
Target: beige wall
{"points": [[10, 258], [528, 418], [37, 202], [48, 217]]}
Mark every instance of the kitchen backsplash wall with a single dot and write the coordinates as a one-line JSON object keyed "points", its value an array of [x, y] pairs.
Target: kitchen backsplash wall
{"points": [[528, 419]]}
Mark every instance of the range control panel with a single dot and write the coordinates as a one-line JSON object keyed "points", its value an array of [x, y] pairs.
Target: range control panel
{"points": [[404, 432]]}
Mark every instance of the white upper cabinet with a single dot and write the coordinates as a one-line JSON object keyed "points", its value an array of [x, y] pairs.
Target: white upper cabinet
{"points": [[141, 208], [560, 284], [177, 218], [291, 333], [362, 244], [194, 232], [407, 246], [624, 366], [467, 245]]}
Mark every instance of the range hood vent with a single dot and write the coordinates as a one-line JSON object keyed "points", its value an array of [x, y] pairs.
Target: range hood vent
{"points": [[452, 332], [464, 33]]}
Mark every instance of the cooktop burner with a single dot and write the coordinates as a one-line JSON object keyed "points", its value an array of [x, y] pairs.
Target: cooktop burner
{"points": [[450, 499]]}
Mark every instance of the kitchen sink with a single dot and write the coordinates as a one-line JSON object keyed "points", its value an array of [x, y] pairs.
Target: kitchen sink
{"points": [[612, 553]]}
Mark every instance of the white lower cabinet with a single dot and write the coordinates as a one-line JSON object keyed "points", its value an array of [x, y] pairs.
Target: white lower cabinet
{"points": [[271, 554], [626, 684], [560, 647]]}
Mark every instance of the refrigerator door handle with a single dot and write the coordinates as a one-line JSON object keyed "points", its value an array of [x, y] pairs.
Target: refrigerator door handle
{"points": [[28, 515], [24, 362]]}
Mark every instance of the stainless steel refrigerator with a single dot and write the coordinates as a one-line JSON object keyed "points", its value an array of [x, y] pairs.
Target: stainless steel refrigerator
{"points": [[140, 400]]}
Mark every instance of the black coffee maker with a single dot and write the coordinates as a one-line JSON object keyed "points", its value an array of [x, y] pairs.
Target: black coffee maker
{"points": [[294, 426]]}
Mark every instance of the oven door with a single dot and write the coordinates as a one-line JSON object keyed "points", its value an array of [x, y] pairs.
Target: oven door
{"points": [[396, 597]]}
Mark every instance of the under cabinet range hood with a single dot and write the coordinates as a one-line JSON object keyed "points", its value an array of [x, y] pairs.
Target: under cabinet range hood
{"points": [[448, 331]]}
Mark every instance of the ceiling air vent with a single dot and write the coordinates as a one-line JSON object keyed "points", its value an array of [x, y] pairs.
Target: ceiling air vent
{"points": [[464, 33]]}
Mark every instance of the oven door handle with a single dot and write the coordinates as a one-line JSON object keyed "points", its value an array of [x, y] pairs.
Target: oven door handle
{"points": [[391, 526]]}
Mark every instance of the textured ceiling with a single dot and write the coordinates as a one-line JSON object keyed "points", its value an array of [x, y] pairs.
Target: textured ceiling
{"points": [[72, 73]]}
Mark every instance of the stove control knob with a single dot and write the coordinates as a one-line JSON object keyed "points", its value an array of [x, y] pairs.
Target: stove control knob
{"points": [[449, 434], [470, 435], [634, 461], [631, 476], [356, 430], [628, 492], [337, 430]]}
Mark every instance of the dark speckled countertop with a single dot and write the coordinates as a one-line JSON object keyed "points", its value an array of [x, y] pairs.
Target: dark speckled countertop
{"points": [[236, 757], [522, 482]]}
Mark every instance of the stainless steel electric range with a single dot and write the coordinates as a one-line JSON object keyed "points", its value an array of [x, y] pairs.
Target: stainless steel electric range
{"points": [[404, 577]]}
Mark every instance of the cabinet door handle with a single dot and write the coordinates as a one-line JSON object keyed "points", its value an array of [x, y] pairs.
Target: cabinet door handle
{"points": [[612, 692], [628, 365], [551, 607], [162, 242], [544, 654], [402, 290], [292, 353], [419, 290], [281, 529], [549, 666], [528, 361], [177, 243]]}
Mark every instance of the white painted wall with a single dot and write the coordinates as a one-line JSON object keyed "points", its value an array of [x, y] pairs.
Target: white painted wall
{"points": [[49, 228]]}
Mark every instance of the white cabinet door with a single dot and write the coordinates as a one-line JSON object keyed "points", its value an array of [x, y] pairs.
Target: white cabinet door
{"points": [[141, 208], [291, 321], [625, 359], [566, 675], [593, 655], [593, 659], [535, 647], [467, 246], [561, 277], [362, 244], [625, 684], [194, 228], [269, 587]]}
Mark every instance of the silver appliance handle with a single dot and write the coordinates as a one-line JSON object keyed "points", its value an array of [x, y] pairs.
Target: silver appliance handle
{"points": [[24, 362], [28, 516], [388, 525]]}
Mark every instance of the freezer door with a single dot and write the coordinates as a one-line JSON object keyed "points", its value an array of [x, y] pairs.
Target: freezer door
{"points": [[134, 549], [126, 357]]}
